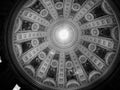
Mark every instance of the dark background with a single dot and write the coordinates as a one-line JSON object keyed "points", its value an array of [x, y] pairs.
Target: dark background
{"points": [[8, 79]]}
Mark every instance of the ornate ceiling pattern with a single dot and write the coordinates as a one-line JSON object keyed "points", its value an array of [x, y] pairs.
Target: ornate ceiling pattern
{"points": [[66, 44]]}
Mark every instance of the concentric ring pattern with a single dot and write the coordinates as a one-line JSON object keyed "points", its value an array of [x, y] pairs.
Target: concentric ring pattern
{"points": [[83, 58]]}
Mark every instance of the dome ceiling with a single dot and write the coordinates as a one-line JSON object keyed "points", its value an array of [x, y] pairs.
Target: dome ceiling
{"points": [[65, 44]]}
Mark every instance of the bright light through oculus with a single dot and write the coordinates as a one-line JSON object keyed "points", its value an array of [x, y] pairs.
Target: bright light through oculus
{"points": [[64, 34]]}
